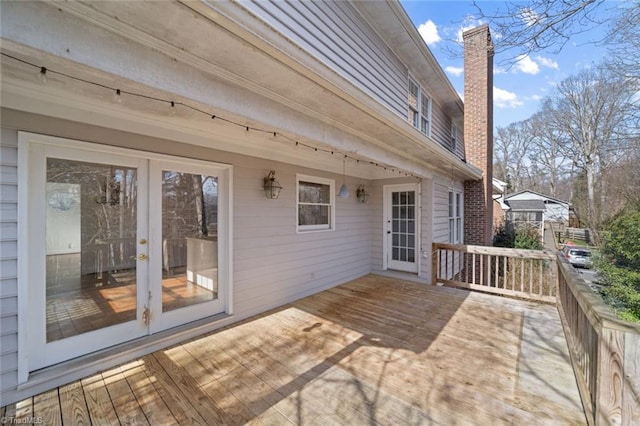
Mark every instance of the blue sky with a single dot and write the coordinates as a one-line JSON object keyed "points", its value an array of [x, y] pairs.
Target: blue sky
{"points": [[518, 89]]}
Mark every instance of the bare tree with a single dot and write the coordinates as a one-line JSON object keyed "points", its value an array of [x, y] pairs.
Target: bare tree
{"points": [[592, 111], [624, 43], [525, 28], [511, 146], [547, 151]]}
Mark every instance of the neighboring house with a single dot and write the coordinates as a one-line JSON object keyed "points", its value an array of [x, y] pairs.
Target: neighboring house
{"points": [[499, 207], [535, 209], [138, 139]]}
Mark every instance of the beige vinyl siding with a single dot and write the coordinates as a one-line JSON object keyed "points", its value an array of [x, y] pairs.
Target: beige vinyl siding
{"points": [[335, 34], [272, 264], [8, 259], [442, 186], [441, 130]]}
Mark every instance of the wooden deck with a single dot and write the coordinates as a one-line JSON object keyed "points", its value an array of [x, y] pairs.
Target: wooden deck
{"points": [[373, 351]]}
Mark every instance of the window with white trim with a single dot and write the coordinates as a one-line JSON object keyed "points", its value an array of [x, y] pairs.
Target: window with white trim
{"points": [[419, 114], [455, 217], [425, 114], [315, 203], [414, 99]]}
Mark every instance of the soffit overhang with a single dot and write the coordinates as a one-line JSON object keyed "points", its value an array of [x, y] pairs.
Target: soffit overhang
{"points": [[205, 38]]}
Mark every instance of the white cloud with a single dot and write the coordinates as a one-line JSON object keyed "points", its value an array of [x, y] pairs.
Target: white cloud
{"points": [[469, 23], [529, 16], [456, 71], [505, 99], [536, 97], [526, 65], [429, 33], [499, 70], [547, 62]]}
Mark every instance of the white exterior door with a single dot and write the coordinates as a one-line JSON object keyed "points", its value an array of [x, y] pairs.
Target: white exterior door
{"points": [[401, 227], [121, 244]]}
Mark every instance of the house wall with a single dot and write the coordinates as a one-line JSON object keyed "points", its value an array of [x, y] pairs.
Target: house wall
{"points": [[556, 212], [340, 38], [272, 264], [441, 188], [8, 258]]}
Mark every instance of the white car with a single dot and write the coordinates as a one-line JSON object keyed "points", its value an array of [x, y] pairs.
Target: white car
{"points": [[578, 256]]}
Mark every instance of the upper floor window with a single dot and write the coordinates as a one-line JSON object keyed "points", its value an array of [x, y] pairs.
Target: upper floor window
{"points": [[316, 200], [414, 99], [419, 108], [455, 217], [454, 136]]}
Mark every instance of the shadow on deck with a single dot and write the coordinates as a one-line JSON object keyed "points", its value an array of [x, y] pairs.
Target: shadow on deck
{"points": [[372, 351]]}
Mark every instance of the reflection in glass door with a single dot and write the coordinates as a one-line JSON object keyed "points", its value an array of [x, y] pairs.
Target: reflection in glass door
{"points": [[91, 226], [120, 245], [189, 239], [85, 263], [187, 271]]}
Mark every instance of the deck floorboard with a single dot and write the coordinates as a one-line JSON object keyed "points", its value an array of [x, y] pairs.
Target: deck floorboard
{"points": [[373, 351]]}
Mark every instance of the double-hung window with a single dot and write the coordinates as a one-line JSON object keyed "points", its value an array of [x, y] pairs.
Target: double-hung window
{"points": [[315, 203], [425, 114], [414, 99], [455, 217], [419, 108]]}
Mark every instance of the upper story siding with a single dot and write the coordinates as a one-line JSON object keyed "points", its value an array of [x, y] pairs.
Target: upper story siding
{"points": [[339, 37], [335, 34]]}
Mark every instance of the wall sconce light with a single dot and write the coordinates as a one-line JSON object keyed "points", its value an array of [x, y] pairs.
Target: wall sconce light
{"points": [[361, 194], [271, 186]]}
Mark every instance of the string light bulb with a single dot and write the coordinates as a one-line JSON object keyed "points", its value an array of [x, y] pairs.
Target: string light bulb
{"points": [[173, 109], [42, 75]]}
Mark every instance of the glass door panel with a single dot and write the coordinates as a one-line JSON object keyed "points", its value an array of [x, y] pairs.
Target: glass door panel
{"points": [[189, 239], [401, 228], [91, 226]]}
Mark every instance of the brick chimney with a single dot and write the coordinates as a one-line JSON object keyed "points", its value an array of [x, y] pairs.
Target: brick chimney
{"points": [[478, 134]]}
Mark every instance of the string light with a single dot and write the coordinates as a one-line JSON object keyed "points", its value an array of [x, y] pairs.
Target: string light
{"points": [[42, 76]]}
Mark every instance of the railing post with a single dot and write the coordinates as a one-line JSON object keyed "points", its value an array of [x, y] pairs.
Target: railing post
{"points": [[434, 265]]}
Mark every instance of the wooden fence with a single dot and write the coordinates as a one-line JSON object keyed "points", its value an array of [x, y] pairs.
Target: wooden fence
{"points": [[605, 352], [529, 274]]}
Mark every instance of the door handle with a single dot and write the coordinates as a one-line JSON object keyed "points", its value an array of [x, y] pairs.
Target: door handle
{"points": [[142, 256]]}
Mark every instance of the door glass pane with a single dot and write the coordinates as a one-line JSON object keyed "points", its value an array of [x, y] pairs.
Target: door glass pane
{"points": [[91, 223], [403, 226], [189, 239]]}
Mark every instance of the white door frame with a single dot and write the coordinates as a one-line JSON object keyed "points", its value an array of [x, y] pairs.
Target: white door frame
{"points": [[163, 320], [33, 150], [386, 228], [41, 353]]}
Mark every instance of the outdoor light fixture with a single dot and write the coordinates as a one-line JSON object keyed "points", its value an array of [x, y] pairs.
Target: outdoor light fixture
{"points": [[42, 75], [361, 194], [271, 186], [344, 191]]}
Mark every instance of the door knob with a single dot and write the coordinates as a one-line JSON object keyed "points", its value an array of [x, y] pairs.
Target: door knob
{"points": [[142, 256]]}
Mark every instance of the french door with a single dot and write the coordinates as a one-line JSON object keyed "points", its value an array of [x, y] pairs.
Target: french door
{"points": [[401, 231], [121, 244]]}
